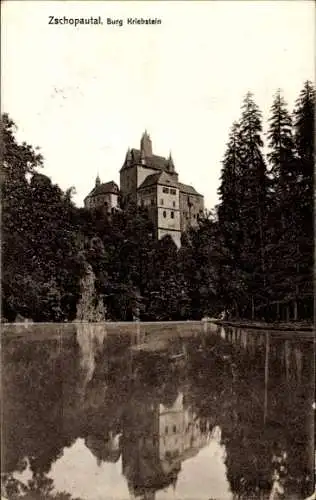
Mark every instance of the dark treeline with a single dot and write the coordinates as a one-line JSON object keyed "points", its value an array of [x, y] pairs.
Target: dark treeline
{"points": [[266, 212], [252, 257]]}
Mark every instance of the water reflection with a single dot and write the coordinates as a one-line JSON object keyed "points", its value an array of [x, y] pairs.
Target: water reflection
{"points": [[157, 412]]}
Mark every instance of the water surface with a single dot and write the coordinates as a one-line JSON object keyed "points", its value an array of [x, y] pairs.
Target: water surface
{"points": [[174, 411]]}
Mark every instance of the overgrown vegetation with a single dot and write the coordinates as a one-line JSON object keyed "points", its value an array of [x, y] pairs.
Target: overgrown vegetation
{"points": [[253, 257]]}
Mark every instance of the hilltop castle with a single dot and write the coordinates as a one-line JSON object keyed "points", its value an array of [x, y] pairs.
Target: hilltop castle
{"points": [[151, 181]]}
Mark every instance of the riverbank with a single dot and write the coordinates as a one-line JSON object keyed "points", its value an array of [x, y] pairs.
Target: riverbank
{"points": [[254, 325]]}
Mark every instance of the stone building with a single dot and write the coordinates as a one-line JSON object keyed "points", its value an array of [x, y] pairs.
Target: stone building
{"points": [[103, 195], [152, 181]]}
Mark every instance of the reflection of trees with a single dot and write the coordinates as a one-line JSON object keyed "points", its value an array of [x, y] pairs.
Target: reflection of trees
{"points": [[33, 387], [50, 402], [101, 391], [229, 389], [38, 488]]}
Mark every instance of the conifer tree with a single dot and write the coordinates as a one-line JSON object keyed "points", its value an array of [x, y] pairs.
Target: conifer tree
{"points": [[228, 212], [253, 201], [304, 133], [282, 223], [281, 143], [231, 282]]}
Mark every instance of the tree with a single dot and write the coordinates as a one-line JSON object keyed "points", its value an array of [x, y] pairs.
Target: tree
{"points": [[304, 134], [230, 239], [199, 258], [18, 161], [282, 220], [242, 215], [40, 257], [253, 201]]}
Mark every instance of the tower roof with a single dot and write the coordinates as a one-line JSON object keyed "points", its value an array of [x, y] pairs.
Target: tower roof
{"points": [[104, 188], [155, 162], [161, 178], [146, 144], [145, 157]]}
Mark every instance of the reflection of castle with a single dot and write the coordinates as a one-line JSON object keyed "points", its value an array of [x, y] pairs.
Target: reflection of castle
{"points": [[181, 435], [156, 440], [105, 449]]}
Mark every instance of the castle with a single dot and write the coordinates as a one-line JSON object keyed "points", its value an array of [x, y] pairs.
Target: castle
{"points": [[152, 182]]}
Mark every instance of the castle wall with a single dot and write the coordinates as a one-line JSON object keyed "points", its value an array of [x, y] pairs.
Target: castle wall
{"points": [[168, 197], [143, 172], [113, 200], [190, 207], [109, 200], [128, 182], [175, 235], [168, 214], [147, 197]]}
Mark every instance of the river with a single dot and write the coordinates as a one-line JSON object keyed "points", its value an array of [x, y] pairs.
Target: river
{"points": [[156, 411]]}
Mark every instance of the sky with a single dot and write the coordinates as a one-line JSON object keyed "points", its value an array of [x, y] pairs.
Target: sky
{"points": [[86, 94], [72, 472]]}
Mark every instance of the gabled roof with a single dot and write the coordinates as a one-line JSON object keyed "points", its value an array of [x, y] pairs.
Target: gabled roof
{"points": [[185, 188], [105, 188], [154, 161], [161, 178]]}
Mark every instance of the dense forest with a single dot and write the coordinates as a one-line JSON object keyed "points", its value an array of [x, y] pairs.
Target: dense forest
{"points": [[252, 256]]}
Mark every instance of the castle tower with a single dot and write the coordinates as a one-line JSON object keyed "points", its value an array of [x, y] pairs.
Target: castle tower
{"points": [[97, 181], [170, 164], [128, 158], [146, 145]]}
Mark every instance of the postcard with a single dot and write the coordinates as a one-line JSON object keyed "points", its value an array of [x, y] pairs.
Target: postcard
{"points": [[157, 252]]}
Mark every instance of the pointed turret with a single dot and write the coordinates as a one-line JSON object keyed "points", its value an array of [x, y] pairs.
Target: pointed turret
{"points": [[97, 181], [146, 145], [128, 157], [170, 163]]}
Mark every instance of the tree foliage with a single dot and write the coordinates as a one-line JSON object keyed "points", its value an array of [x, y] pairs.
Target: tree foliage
{"points": [[253, 256], [265, 212]]}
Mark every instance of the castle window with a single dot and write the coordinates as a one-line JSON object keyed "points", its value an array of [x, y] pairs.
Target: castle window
{"points": [[174, 429], [164, 213], [152, 201], [172, 215], [165, 190], [173, 191], [166, 429], [174, 203], [161, 201]]}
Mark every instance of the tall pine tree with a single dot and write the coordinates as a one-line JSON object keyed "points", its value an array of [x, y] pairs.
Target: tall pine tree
{"points": [[253, 203], [282, 222], [232, 282], [304, 134]]}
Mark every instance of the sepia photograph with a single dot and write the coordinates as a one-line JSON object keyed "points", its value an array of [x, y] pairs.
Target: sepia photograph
{"points": [[157, 250]]}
